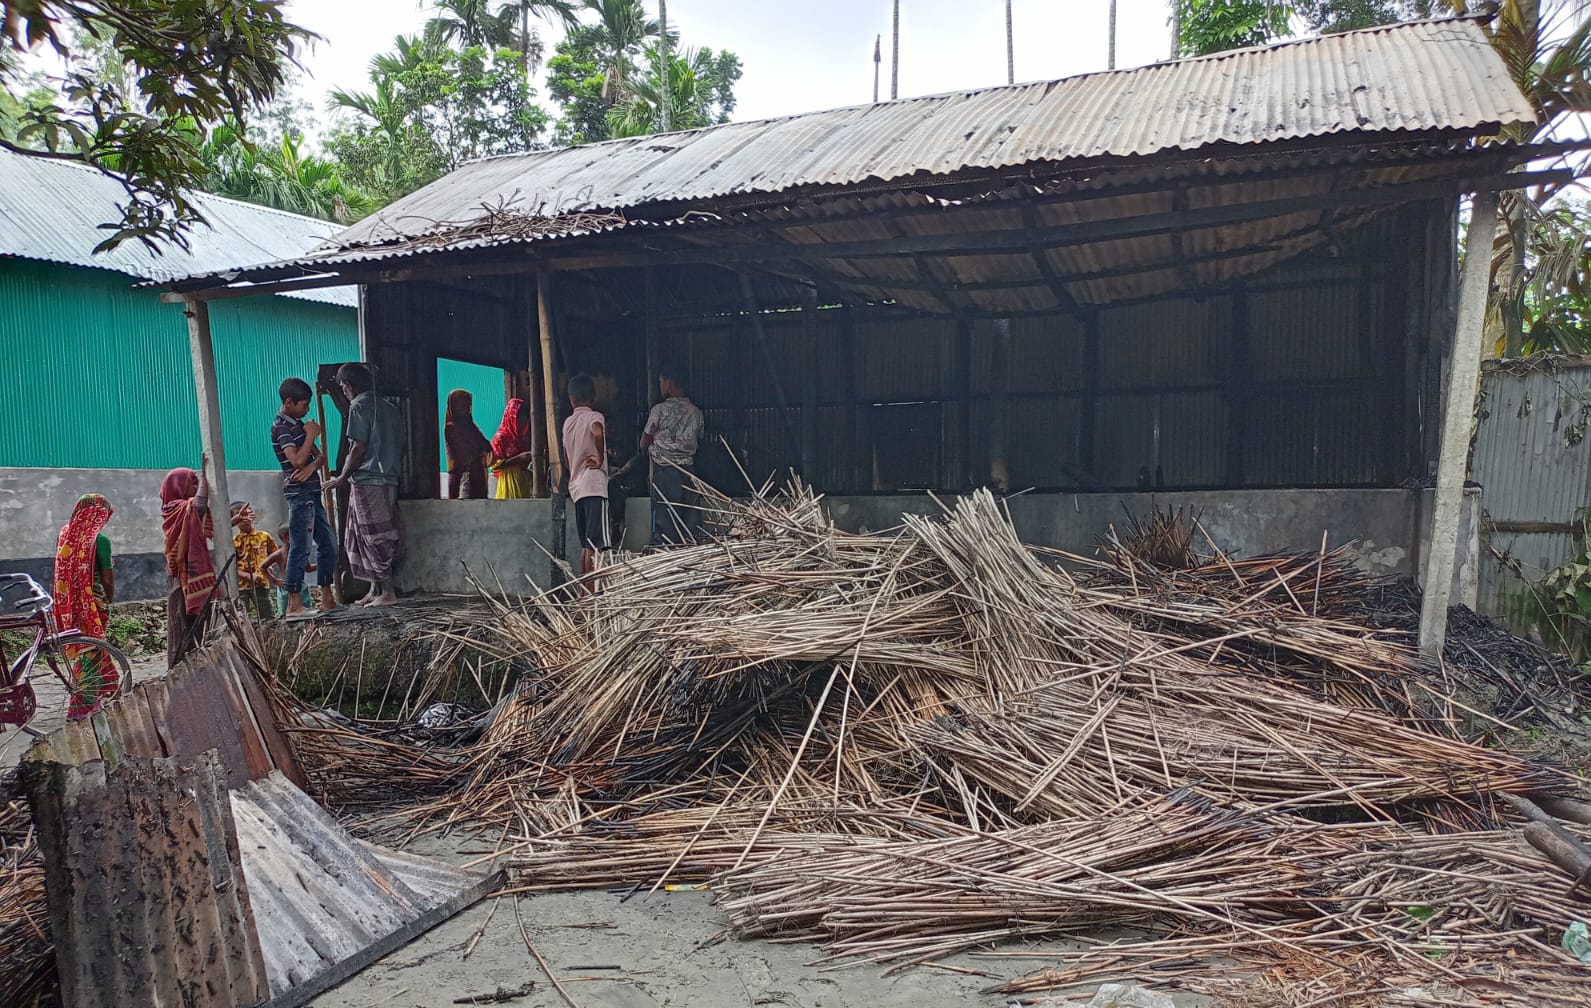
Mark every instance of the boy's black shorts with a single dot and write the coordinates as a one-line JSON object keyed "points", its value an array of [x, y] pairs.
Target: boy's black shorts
{"points": [[591, 522]]}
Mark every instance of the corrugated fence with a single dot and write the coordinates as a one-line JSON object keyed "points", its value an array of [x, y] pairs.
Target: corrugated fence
{"points": [[1533, 460]]}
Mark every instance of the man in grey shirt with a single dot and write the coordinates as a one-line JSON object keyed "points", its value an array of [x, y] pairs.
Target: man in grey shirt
{"points": [[375, 433], [673, 429]]}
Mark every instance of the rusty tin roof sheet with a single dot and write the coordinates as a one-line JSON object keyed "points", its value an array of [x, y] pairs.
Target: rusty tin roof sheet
{"points": [[1410, 78]]}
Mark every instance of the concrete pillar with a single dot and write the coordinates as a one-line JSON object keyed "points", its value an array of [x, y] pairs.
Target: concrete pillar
{"points": [[202, 351], [1458, 414]]}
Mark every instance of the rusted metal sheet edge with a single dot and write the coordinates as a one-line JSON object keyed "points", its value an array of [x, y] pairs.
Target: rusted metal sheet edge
{"points": [[325, 981]]}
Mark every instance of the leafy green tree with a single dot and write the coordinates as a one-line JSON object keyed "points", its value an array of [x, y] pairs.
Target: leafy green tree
{"points": [[1211, 26], [189, 64], [1556, 299], [432, 107], [283, 175], [1326, 16], [700, 92], [575, 82], [607, 78]]}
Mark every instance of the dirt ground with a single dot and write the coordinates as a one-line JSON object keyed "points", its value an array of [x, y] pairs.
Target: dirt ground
{"points": [[660, 951], [52, 705]]}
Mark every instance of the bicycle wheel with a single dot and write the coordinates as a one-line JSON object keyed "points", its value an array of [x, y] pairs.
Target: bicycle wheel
{"points": [[99, 666]]}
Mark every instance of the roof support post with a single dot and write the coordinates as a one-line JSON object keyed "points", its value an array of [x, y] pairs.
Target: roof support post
{"points": [[549, 391], [809, 384], [654, 340], [1000, 407], [1458, 414], [202, 351]]}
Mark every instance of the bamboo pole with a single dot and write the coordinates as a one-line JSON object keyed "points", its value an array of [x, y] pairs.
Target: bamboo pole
{"points": [[549, 379]]}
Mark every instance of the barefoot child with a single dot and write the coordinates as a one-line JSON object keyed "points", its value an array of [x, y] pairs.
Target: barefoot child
{"points": [[585, 451], [252, 547], [294, 441], [275, 568]]}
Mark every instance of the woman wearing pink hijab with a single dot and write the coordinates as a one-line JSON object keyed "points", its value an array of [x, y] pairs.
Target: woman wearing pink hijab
{"points": [[185, 520]]}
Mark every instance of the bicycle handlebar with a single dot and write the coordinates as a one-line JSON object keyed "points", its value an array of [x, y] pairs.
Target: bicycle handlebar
{"points": [[37, 601]]}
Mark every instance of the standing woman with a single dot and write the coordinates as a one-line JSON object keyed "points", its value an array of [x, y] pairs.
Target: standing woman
{"points": [[467, 449], [85, 586], [185, 520], [512, 450]]}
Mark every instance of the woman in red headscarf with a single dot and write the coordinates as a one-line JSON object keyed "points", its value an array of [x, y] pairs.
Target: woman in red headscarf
{"points": [[511, 449], [185, 520], [85, 586]]}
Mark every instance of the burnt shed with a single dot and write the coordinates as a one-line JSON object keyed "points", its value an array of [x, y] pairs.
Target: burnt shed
{"points": [[1229, 283]]}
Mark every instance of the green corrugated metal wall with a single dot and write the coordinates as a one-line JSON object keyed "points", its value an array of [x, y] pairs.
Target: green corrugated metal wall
{"points": [[483, 383], [100, 376]]}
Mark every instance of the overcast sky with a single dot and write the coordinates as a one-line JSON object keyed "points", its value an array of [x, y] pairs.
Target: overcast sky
{"points": [[802, 55]]}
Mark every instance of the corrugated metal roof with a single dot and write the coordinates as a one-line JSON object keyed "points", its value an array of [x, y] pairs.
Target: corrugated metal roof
{"points": [[51, 210], [1410, 78]]}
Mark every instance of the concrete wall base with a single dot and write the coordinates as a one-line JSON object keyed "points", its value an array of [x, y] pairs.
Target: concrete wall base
{"points": [[35, 503], [506, 542]]}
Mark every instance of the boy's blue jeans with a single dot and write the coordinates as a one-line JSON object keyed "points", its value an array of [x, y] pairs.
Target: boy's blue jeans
{"points": [[306, 520]]}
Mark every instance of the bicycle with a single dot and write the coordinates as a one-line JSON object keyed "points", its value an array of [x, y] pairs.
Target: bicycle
{"points": [[64, 651]]}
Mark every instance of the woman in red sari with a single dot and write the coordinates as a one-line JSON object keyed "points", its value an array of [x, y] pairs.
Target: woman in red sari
{"points": [[511, 449], [85, 586], [185, 520]]}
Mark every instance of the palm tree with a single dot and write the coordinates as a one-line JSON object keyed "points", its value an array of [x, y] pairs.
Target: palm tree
{"points": [[624, 29], [1549, 57], [285, 177], [561, 11], [472, 23], [683, 101]]}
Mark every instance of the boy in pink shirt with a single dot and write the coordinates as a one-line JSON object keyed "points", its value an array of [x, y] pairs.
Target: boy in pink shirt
{"points": [[585, 459]]}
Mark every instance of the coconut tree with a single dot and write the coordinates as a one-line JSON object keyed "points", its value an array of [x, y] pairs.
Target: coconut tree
{"points": [[284, 176], [623, 29], [682, 98]]}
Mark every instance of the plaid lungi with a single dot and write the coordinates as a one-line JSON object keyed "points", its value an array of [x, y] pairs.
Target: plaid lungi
{"points": [[372, 537]]}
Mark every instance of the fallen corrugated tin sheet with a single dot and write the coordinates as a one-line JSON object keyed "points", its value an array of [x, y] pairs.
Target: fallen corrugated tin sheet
{"points": [[148, 902], [173, 881], [1410, 78], [214, 700], [327, 905], [52, 210]]}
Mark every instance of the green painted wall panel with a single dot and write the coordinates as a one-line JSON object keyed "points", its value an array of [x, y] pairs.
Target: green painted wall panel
{"points": [[484, 383], [101, 377]]}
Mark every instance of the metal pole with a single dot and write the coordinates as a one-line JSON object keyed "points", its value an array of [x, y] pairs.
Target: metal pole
{"points": [[894, 58], [1010, 43], [878, 57], [1110, 60], [202, 350], [1458, 414]]}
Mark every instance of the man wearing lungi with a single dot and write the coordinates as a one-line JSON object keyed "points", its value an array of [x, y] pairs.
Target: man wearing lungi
{"points": [[375, 435]]}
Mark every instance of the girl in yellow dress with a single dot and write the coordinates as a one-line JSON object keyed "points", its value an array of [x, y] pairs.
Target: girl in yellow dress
{"points": [[511, 452]]}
